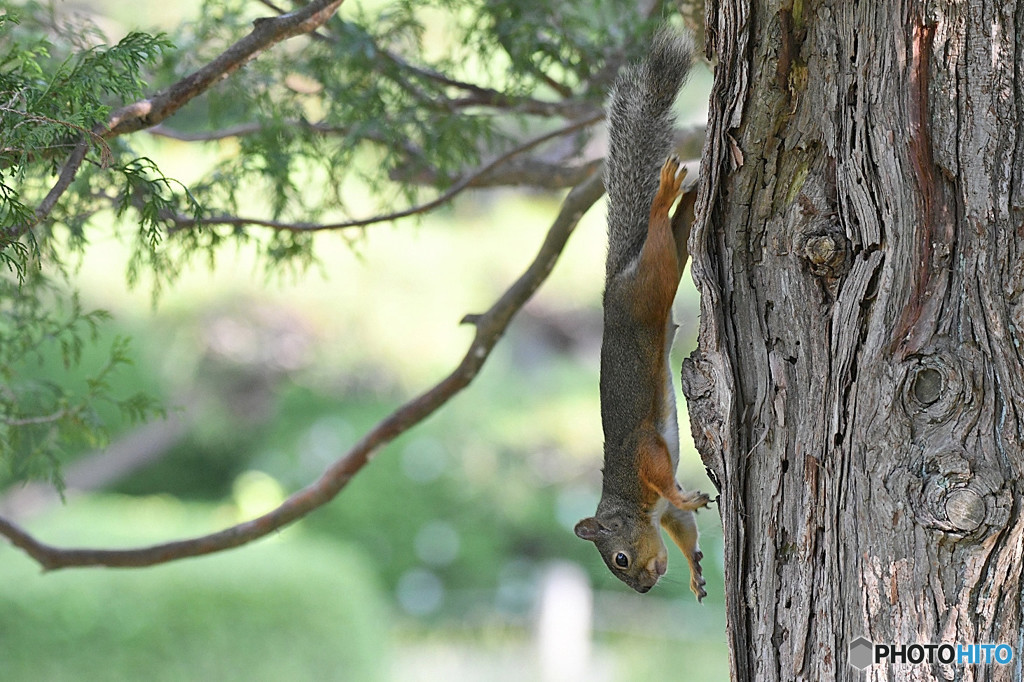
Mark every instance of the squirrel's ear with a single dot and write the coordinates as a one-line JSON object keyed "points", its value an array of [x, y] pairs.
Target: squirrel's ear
{"points": [[589, 529]]}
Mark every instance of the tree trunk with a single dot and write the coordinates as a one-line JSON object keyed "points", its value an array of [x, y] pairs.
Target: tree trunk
{"points": [[858, 390]]}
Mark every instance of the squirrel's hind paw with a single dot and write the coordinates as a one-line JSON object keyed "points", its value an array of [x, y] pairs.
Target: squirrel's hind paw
{"points": [[672, 174]]}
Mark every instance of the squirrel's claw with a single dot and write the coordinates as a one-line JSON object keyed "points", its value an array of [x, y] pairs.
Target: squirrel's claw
{"points": [[697, 581]]}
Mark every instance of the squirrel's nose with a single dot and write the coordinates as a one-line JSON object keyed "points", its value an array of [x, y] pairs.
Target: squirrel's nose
{"points": [[659, 567]]}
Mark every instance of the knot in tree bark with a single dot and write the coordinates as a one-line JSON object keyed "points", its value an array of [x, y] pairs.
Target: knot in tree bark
{"points": [[965, 509], [826, 253], [935, 388]]}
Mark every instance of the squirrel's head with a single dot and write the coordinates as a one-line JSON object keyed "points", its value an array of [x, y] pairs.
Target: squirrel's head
{"points": [[630, 543]]}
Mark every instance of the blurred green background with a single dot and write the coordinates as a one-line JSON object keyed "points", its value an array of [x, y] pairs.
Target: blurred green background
{"points": [[450, 556]]}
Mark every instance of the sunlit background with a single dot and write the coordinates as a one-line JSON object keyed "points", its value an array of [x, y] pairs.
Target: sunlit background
{"points": [[451, 556]]}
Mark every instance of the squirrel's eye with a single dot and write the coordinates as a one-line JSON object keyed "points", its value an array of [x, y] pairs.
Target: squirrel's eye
{"points": [[621, 560]]}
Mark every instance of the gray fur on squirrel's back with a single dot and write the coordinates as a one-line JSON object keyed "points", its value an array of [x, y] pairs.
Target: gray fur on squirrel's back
{"points": [[640, 137]]}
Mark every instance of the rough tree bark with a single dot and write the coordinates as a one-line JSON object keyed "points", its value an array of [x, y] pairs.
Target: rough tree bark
{"points": [[858, 390]]}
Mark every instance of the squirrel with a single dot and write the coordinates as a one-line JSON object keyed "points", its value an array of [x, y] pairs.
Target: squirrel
{"points": [[646, 254]]}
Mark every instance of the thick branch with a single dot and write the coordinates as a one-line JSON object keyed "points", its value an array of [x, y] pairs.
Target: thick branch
{"points": [[266, 33], [489, 328]]}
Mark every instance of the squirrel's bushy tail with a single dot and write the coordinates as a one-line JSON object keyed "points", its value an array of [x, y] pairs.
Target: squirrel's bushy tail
{"points": [[640, 137]]}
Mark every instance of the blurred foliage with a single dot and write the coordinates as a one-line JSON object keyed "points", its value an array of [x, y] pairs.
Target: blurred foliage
{"points": [[385, 99], [273, 611], [51, 402]]}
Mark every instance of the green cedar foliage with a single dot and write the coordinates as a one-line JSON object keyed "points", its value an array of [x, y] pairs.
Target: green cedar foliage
{"points": [[390, 101]]}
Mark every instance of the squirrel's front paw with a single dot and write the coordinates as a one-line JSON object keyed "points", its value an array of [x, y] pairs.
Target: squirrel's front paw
{"points": [[695, 500]]}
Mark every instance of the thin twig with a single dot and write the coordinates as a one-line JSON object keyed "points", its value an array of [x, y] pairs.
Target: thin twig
{"points": [[245, 129], [30, 421], [489, 328], [182, 222], [550, 176], [489, 97], [540, 171], [411, 150]]}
